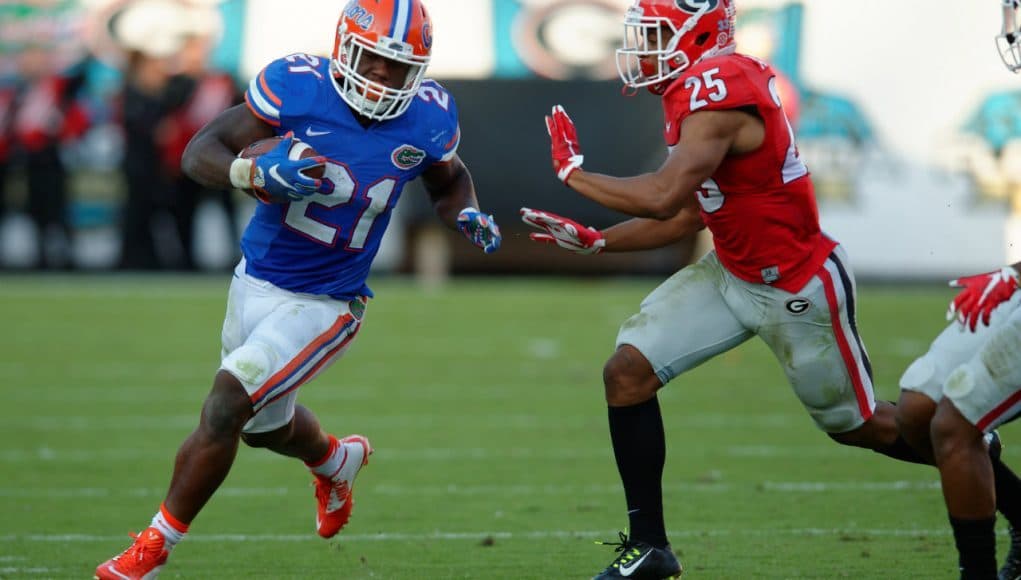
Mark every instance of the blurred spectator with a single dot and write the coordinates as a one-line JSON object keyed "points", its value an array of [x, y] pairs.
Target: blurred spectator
{"points": [[208, 93], [47, 115], [6, 117], [146, 100], [168, 96]]}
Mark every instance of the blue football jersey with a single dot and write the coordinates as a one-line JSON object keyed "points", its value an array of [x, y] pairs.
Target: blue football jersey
{"points": [[325, 244]]}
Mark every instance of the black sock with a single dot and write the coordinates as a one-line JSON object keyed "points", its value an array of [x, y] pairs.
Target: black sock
{"points": [[1008, 493], [903, 451], [976, 547], [640, 448]]}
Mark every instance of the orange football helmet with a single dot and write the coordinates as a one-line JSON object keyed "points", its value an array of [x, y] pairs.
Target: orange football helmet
{"points": [[398, 30], [700, 29], [1008, 42]]}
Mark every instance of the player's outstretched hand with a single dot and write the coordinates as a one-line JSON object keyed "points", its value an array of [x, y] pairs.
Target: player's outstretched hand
{"points": [[480, 229], [276, 175], [566, 150], [981, 294], [564, 232]]}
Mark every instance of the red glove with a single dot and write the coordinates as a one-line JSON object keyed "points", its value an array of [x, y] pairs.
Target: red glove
{"points": [[566, 150], [981, 294], [564, 232]]}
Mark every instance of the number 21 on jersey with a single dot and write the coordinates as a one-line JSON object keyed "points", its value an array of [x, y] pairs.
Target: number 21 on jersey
{"points": [[344, 189]]}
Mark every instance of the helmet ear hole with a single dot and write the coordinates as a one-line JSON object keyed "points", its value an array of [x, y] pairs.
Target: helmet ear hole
{"points": [[701, 38]]}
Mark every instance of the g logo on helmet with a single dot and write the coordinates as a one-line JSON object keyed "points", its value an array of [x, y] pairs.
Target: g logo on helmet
{"points": [[694, 6]]}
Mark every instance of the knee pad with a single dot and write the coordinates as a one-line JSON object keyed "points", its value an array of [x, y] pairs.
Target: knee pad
{"points": [[999, 356], [962, 381], [924, 376], [252, 364]]}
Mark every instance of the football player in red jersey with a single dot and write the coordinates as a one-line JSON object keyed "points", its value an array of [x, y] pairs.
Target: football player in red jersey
{"points": [[733, 167], [966, 384], [953, 397], [298, 296]]}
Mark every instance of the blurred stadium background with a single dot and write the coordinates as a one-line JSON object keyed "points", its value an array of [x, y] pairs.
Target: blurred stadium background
{"points": [[482, 396]]}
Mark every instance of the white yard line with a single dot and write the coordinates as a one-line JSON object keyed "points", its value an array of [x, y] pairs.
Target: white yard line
{"points": [[428, 454], [434, 454], [490, 489], [494, 534], [50, 423], [33, 570]]}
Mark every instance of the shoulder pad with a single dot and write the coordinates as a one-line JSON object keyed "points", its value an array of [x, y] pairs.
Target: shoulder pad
{"points": [[286, 87], [712, 85], [438, 116]]}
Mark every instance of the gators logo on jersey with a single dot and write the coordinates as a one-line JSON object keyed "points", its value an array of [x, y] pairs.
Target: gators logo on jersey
{"points": [[405, 157], [694, 6]]}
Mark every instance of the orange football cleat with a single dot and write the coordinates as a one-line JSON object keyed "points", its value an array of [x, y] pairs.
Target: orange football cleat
{"points": [[335, 496], [141, 561]]}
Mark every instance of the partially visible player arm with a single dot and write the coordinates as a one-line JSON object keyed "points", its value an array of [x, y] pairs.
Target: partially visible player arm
{"points": [[212, 150], [452, 192], [706, 138], [628, 236], [982, 293], [450, 188], [648, 234]]}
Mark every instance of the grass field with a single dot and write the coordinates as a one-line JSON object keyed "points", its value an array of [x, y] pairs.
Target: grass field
{"points": [[484, 403]]}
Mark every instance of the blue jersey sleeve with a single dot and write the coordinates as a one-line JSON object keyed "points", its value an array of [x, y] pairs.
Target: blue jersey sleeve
{"points": [[444, 131], [287, 87]]}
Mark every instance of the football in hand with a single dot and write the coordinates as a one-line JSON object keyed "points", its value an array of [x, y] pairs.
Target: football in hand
{"points": [[299, 150]]}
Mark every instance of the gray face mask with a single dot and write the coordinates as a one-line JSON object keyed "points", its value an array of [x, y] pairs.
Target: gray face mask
{"points": [[1008, 42]]}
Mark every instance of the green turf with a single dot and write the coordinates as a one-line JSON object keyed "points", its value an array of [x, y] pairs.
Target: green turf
{"points": [[484, 403]]}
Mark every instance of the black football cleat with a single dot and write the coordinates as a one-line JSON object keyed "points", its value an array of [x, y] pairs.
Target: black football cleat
{"points": [[994, 445], [640, 561], [1011, 569]]}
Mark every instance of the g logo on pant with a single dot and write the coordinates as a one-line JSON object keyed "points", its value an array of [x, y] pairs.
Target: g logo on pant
{"points": [[797, 306]]}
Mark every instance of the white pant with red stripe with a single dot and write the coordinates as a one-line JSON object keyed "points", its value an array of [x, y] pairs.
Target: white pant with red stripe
{"points": [[704, 310], [274, 341], [979, 371]]}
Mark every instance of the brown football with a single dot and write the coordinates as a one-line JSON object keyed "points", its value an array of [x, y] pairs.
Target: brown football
{"points": [[299, 150]]}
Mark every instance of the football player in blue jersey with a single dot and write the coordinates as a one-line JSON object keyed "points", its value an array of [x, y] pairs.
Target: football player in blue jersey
{"points": [[297, 298]]}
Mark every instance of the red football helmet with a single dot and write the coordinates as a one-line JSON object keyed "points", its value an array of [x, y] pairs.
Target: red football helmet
{"points": [[698, 29], [399, 30], [1008, 42]]}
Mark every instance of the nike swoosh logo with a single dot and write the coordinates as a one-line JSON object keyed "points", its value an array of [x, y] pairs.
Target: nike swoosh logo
{"points": [[312, 133], [276, 176], [627, 570]]}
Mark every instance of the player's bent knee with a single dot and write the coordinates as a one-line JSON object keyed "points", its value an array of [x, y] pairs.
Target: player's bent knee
{"points": [[227, 408], [628, 378], [914, 414], [877, 432], [269, 439], [950, 431]]}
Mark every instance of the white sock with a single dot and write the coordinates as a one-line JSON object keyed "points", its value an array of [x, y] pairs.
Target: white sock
{"points": [[329, 465], [169, 527]]}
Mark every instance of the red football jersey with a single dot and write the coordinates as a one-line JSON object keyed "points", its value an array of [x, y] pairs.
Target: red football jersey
{"points": [[760, 206]]}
